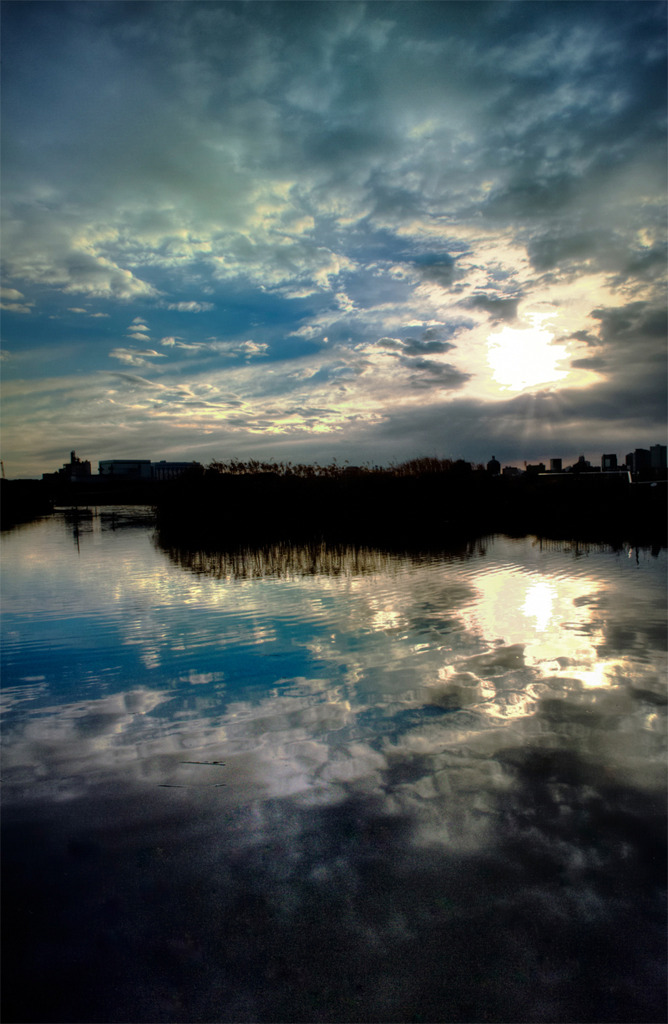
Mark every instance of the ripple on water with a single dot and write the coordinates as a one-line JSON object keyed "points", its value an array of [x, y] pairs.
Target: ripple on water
{"points": [[322, 765]]}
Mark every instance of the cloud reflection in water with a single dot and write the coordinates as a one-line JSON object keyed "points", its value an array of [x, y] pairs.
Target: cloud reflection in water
{"points": [[451, 808]]}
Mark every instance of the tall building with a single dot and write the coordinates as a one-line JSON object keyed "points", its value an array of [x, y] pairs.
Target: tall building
{"points": [[641, 460], [657, 456], [494, 466], [555, 465], [608, 462]]}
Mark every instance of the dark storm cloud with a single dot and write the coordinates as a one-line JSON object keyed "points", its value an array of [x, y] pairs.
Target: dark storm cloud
{"points": [[439, 269], [585, 336], [647, 265], [426, 373], [609, 416], [432, 340], [632, 341], [414, 347], [498, 308], [634, 323], [548, 252], [590, 363]]}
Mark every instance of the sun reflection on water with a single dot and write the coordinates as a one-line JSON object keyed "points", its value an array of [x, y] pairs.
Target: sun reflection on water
{"points": [[539, 604], [550, 615]]}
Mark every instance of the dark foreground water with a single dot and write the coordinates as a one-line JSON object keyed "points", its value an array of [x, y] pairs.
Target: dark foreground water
{"points": [[304, 784]]}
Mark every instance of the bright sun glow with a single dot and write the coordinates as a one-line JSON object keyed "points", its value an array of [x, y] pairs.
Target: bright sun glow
{"points": [[522, 358]]}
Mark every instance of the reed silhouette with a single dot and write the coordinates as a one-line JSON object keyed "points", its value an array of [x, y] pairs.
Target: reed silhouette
{"points": [[415, 504], [423, 502]]}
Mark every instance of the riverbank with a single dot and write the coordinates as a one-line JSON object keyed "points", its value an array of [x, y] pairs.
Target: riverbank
{"points": [[404, 506], [23, 500], [429, 508]]}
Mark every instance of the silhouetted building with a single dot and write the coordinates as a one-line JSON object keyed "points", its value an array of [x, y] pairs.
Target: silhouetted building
{"points": [[638, 460], [534, 470], [608, 463], [581, 466], [657, 456], [511, 471], [555, 465], [144, 469], [172, 470], [126, 469], [73, 471], [494, 466]]}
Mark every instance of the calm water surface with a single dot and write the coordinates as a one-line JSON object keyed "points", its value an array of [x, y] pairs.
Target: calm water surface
{"points": [[315, 784]]}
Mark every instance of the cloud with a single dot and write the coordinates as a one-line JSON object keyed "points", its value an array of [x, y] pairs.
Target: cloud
{"points": [[252, 348], [136, 357], [439, 269], [17, 307], [403, 173], [426, 373], [413, 347], [11, 295], [590, 363], [134, 379], [499, 308], [631, 323], [43, 248], [190, 307], [13, 301], [586, 336]]}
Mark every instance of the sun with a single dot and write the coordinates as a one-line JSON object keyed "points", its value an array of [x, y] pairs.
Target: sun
{"points": [[522, 358]]}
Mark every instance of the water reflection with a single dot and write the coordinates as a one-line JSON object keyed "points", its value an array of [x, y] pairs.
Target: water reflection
{"points": [[312, 784], [284, 560]]}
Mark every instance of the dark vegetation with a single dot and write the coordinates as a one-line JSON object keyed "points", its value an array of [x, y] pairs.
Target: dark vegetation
{"points": [[23, 500], [425, 502]]}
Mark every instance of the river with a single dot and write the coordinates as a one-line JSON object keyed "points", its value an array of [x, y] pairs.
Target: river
{"points": [[330, 784]]}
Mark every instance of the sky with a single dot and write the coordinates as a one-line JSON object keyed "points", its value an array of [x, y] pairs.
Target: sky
{"points": [[316, 231]]}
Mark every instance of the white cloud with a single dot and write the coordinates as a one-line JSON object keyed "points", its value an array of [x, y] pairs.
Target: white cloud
{"points": [[45, 247], [11, 295], [253, 348], [136, 357], [190, 307], [17, 307], [13, 301]]}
